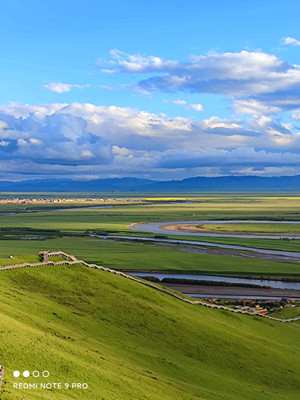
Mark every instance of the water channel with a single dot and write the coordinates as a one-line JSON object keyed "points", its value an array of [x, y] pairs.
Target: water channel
{"points": [[214, 278]]}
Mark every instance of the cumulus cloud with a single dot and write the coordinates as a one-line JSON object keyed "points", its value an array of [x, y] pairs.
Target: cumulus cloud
{"points": [[59, 87], [234, 74], [217, 122], [256, 82], [180, 102], [296, 115], [82, 140], [55, 138], [196, 107], [123, 62], [254, 107], [290, 41], [229, 73]]}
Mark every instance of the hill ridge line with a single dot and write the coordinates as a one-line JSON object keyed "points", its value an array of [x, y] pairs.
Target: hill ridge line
{"points": [[72, 260]]}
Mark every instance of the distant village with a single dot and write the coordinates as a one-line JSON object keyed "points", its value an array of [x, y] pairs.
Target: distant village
{"points": [[41, 200], [17, 200], [256, 306]]}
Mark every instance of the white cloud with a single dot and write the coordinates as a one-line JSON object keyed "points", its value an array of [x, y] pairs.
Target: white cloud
{"points": [[234, 74], [216, 122], [254, 107], [256, 82], [180, 102], [59, 87], [52, 137], [296, 115], [290, 41], [196, 107], [18, 110], [3, 125], [133, 62], [87, 140]]}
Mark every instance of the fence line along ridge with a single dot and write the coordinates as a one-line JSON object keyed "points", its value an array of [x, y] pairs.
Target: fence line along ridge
{"points": [[72, 260]]}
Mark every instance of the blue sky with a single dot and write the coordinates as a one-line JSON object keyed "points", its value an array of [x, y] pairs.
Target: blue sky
{"points": [[156, 89]]}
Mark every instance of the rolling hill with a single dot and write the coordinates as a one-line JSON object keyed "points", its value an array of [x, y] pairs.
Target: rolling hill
{"points": [[128, 341]]}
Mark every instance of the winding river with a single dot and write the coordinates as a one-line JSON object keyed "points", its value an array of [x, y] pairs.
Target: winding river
{"points": [[215, 278], [288, 254], [158, 228]]}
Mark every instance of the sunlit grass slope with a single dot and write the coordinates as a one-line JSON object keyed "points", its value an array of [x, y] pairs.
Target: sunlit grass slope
{"points": [[128, 341]]}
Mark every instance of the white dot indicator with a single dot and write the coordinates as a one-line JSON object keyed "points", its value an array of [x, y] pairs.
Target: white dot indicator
{"points": [[26, 374], [16, 374]]}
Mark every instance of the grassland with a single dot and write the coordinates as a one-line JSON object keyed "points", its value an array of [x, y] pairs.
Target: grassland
{"points": [[58, 225], [19, 258], [139, 256], [128, 341], [127, 211], [287, 313], [273, 244]]}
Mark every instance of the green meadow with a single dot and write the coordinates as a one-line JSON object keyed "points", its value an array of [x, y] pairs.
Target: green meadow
{"points": [[126, 211], [58, 229], [128, 341], [139, 256]]}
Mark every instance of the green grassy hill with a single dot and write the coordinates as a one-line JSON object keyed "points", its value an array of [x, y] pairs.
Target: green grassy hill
{"points": [[131, 342]]}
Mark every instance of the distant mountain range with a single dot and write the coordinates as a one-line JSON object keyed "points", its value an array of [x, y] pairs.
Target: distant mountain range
{"points": [[196, 184]]}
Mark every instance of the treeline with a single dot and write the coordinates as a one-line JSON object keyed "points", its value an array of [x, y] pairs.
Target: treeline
{"points": [[183, 281], [29, 233], [273, 278]]}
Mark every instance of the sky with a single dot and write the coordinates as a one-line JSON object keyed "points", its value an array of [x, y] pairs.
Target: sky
{"points": [[149, 89]]}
